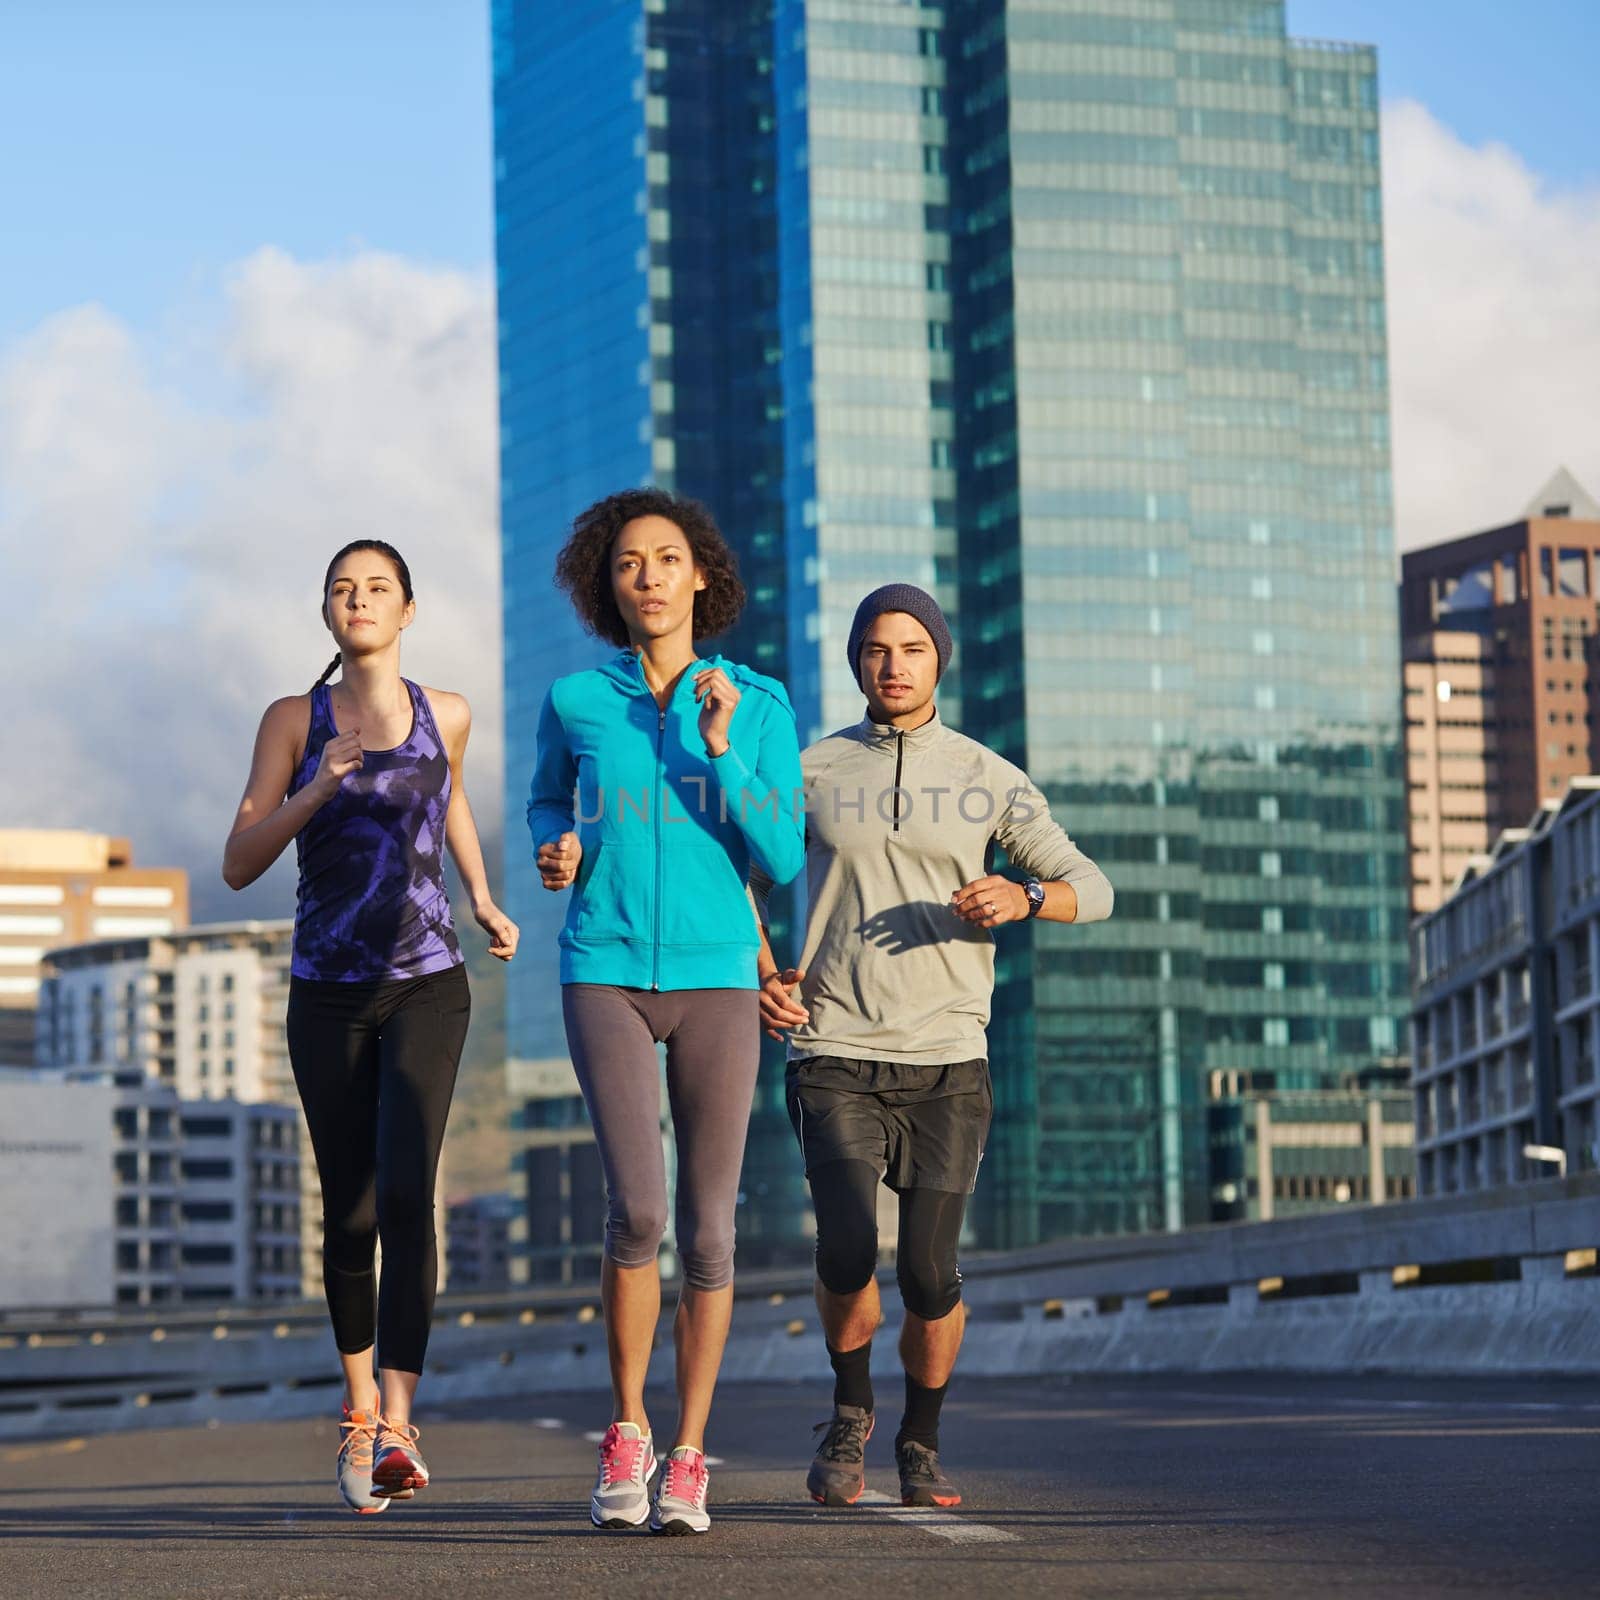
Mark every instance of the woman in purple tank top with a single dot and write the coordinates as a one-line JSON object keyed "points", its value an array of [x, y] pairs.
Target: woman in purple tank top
{"points": [[364, 774]]}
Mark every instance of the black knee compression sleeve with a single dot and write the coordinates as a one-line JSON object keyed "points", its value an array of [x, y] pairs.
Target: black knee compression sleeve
{"points": [[845, 1196], [925, 1259]]}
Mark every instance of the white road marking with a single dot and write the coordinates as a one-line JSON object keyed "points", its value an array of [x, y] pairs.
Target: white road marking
{"points": [[548, 1422], [946, 1524], [594, 1438]]}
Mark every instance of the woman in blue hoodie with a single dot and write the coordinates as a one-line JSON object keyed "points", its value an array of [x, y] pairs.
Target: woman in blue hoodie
{"points": [[687, 773]]}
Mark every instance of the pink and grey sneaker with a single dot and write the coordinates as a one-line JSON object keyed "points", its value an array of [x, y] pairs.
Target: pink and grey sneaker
{"points": [[621, 1497], [397, 1464], [681, 1493]]}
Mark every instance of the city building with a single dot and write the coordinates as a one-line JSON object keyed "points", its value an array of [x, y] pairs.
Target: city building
{"points": [[56, 1148], [131, 1196], [239, 1201], [1498, 629], [478, 1242], [146, 1166], [198, 1011], [558, 1200], [1452, 757], [60, 887], [1506, 1015], [1073, 314], [1284, 1153]]}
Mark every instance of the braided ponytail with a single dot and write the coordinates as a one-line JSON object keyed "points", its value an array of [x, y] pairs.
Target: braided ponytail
{"points": [[390, 554]]}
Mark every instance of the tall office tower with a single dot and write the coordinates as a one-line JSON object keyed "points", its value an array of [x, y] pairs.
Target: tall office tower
{"points": [[1499, 628], [58, 886], [1072, 312], [637, 253]]}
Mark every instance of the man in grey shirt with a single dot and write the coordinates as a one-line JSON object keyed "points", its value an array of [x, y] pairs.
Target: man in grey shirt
{"points": [[888, 1077]]}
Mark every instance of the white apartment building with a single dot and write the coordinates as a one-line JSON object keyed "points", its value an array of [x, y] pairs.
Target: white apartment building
{"points": [[199, 1011]]}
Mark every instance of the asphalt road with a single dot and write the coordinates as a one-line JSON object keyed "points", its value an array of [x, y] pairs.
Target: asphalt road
{"points": [[1117, 1487]]}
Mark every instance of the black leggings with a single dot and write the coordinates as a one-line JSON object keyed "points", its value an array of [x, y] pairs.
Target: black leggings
{"points": [[845, 1195], [375, 1064]]}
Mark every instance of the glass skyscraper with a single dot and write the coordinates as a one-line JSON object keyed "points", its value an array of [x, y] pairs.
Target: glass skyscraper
{"points": [[1070, 311]]}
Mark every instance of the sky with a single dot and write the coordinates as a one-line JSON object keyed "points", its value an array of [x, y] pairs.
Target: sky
{"points": [[246, 313]]}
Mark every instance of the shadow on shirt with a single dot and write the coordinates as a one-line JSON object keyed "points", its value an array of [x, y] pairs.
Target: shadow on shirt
{"points": [[915, 925]]}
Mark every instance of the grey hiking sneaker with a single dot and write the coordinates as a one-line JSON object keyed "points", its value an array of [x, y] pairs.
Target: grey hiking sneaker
{"points": [[838, 1470], [353, 1466], [621, 1497], [921, 1481]]}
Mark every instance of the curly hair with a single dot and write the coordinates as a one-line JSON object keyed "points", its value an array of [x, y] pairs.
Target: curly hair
{"points": [[583, 568]]}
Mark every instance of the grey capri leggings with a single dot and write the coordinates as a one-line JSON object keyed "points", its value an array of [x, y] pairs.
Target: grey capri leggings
{"points": [[713, 1040]]}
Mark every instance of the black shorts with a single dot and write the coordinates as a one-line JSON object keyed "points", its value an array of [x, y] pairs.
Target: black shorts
{"points": [[918, 1127]]}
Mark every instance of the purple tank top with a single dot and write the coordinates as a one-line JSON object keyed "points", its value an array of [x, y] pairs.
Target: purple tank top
{"points": [[371, 903]]}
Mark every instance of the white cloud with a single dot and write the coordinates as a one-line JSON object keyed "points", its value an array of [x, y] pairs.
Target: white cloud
{"points": [[1494, 329], [163, 554]]}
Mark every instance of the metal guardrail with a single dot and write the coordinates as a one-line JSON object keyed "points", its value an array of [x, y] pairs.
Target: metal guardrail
{"points": [[77, 1374]]}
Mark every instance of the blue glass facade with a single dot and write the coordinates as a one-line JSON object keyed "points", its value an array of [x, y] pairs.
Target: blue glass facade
{"points": [[575, 383], [1072, 312]]}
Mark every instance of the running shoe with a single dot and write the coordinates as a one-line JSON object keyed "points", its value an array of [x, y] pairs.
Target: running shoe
{"points": [[397, 1464], [353, 1466], [621, 1497], [921, 1481], [680, 1505], [838, 1471]]}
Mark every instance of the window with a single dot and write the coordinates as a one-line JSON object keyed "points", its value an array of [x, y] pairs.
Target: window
{"points": [[208, 1255], [198, 1171], [206, 1127], [1572, 574]]}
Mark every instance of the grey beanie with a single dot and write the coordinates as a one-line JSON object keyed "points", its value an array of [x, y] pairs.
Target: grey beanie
{"points": [[914, 602]]}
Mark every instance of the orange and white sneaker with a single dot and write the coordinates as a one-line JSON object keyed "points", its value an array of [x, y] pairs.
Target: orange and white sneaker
{"points": [[353, 1470], [397, 1464]]}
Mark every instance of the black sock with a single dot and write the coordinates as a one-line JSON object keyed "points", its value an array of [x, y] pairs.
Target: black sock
{"points": [[921, 1421], [852, 1376]]}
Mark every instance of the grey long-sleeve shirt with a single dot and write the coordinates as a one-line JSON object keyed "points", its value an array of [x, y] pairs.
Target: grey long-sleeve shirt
{"points": [[892, 973]]}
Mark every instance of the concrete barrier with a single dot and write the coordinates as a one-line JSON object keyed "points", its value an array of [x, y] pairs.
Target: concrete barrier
{"points": [[1499, 1283]]}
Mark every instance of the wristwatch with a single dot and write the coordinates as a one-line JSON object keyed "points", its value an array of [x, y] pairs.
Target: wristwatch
{"points": [[1035, 893]]}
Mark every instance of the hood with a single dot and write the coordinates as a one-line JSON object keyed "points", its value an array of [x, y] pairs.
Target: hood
{"points": [[626, 671]]}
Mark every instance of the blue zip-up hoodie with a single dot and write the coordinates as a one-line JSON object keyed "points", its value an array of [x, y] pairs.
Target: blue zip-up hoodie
{"points": [[660, 899]]}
